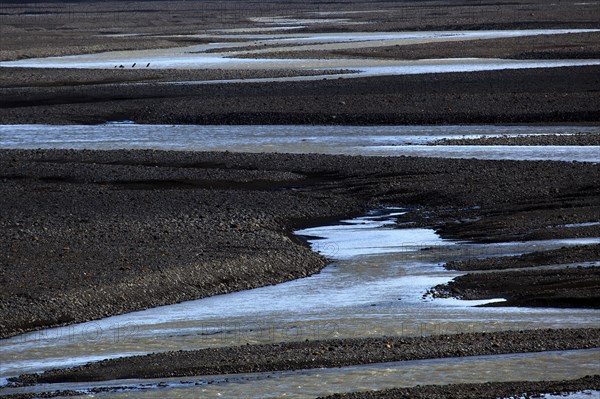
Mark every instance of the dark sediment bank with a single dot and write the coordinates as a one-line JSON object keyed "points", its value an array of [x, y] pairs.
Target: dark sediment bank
{"points": [[52, 77], [147, 24], [564, 288], [490, 390], [582, 139], [537, 288], [566, 255], [90, 234], [563, 46], [317, 354], [508, 96]]}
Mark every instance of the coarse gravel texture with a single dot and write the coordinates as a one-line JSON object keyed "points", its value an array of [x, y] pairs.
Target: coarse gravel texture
{"points": [[580, 139], [90, 234], [317, 354], [562, 256], [489, 390], [561, 46], [562, 288], [568, 95]]}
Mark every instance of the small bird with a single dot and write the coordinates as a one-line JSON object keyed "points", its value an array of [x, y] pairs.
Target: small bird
{"points": [[121, 66], [133, 66], [148, 65]]}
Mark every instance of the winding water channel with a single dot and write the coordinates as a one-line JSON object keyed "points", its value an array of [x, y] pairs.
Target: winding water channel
{"points": [[379, 276], [375, 286], [247, 52]]}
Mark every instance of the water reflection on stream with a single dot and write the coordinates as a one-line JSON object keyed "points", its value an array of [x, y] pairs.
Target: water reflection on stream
{"points": [[305, 384], [374, 287], [348, 140]]}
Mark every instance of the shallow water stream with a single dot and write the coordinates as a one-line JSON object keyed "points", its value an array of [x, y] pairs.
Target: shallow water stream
{"points": [[349, 140], [308, 384], [218, 55], [374, 287]]}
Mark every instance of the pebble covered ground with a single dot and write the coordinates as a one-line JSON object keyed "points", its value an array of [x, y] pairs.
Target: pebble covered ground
{"points": [[96, 233]]}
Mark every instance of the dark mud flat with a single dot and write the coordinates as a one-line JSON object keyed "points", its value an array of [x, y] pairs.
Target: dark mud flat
{"points": [[317, 354], [90, 234], [83, 27], [50, 77], [565, 46], [562, 256], [583, 139], [510, 96], [490, 390], [532, 288]]}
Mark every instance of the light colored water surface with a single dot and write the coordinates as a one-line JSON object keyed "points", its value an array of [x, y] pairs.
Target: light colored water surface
{"points": [[219, 55], [308, 384], [375, 286], [349, 140]]}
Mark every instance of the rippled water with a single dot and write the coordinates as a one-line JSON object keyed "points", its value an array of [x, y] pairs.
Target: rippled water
{"points": [[374, 287], [198, 57], [350, 140], [304, 384]]}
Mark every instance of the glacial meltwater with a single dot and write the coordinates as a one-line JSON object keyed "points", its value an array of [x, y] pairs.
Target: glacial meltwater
{"points": [[348, 140], [248, 53], [376, 285]]}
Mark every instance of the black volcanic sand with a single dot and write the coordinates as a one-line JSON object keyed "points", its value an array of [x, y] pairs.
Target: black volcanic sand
{"points": [[563, 46], [563, 288], [532, 96], [490, 390], [532, 288], [318, 354], [50, 77], [562, 256], [88, 234], [82, 27], [581, 139], [564, 95]]}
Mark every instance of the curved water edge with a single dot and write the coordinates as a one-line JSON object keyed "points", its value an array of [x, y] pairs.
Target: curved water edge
{"points": [[304, 384], [346, 140], [375, 286], [217, 55]]}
